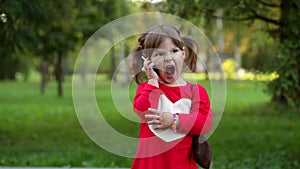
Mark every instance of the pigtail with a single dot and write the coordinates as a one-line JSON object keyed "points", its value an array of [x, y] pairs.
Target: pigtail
{"points": [[192, 48], [137, 61]]}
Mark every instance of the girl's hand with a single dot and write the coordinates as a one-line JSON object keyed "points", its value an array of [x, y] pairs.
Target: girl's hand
{"points": [[160, 120], [148, 69]]}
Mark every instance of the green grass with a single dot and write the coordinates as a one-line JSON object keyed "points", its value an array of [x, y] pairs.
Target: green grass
{"points": [[43, 130], [38, 130]]}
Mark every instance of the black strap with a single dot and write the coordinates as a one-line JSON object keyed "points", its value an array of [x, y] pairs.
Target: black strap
{"points": [[201, 150]]}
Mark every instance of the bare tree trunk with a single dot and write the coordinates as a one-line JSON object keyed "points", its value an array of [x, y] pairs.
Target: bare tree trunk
{"points": [[113, 62], [45, 74], [209, 24], [237, 58], [59, 74]]}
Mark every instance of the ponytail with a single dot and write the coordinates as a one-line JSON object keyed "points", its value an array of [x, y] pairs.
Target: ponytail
{"points": [[137, 61], [191, 52]]}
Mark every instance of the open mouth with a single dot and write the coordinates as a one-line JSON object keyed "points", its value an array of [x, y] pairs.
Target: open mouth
{"points": [[170, 70]]}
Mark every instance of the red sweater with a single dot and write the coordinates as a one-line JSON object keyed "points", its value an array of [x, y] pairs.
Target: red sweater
{"points": [[155, 153]]}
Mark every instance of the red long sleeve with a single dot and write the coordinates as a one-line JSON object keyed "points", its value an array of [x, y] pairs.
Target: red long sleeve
{"points": [[199, 121], [146, 96]]}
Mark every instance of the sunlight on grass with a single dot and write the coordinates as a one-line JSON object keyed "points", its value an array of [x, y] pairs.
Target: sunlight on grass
{"points": [[243, 76]]}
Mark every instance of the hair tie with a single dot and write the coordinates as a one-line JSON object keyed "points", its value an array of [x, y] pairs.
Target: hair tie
{"points": [[140, 47]]}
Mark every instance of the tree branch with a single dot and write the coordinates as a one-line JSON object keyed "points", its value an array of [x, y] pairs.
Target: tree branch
{"points": [[253, 17], [268, 4], [297, 4], [264, 18], [234, 19]]}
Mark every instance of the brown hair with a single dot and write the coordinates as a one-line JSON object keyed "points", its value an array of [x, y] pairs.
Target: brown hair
{"points": [[151, 40]]}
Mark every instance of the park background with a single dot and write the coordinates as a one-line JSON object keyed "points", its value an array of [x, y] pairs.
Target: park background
{"points": [[258, 42]]}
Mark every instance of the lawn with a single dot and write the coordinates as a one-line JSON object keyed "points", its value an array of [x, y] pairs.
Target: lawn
{"points": [[43, 130]]}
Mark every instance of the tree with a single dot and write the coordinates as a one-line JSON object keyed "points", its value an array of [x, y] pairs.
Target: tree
{"points": [[45, 28], [280, 18], [50, 30], [18, 34], [102, 13], [58, 35], [286, 88]]}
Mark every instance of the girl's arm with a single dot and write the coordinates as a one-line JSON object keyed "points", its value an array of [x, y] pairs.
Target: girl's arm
{"points": [[199, 121], [147, 96]]}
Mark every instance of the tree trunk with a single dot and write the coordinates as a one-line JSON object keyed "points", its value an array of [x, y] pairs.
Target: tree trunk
{"points": [[237, 58], [59, 74], [220, 42], [208, 29], [45, 75], [113, 62]]}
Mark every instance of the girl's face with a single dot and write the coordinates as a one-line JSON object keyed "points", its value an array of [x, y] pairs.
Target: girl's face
{"points": [[169, 60]]}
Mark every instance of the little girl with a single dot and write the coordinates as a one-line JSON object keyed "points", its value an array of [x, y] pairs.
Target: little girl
{"points": [[171, 109]]}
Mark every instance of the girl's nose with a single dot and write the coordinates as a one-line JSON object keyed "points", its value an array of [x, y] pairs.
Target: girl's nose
{"points": [[168, 58]]}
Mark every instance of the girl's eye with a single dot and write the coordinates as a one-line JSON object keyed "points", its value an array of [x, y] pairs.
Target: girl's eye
{"points": [[175, 50], [159, 54]]}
